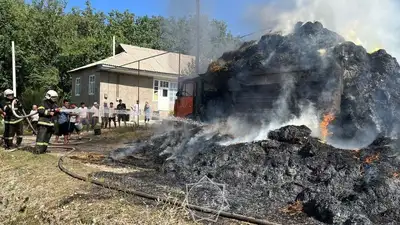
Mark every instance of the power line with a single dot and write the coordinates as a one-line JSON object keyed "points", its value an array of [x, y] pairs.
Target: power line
{"points": [[197, 56], [258, 31]]}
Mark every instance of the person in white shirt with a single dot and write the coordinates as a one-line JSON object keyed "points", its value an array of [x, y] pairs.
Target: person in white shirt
{"points": [[96, 114], [83, 116], [111, 115], [136, 112], [74, 118], [104, 115], [147, 113], [34, 118]]}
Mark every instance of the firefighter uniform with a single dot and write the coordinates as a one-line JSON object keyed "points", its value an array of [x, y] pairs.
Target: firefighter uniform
{"points": [[12, 125], [45, 126]]}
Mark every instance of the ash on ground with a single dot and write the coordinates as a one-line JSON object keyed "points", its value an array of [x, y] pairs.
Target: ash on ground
{"points": [[263, 178]]}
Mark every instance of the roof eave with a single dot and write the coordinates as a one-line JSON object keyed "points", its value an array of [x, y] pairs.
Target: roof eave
{"points": [[116, 69], [84, 68]]}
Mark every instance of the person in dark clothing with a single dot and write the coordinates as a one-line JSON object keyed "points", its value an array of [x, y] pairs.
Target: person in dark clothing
{"points": [[2, 114], [12, 125], [47, 113], [121, 106], [63, 123]]}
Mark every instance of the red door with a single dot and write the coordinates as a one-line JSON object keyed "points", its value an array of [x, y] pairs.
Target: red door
{"points": [[183, 106]]}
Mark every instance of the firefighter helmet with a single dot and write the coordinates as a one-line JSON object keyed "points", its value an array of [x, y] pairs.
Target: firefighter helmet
{"points": [[8, 92], [52, 95]]}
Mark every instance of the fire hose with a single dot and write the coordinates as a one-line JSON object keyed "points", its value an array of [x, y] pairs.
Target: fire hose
{"points": [[74, 111], [153, 197], [24, 116]]}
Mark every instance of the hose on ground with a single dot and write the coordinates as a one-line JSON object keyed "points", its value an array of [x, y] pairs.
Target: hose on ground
{"points": [[156, 198], [72, 143]]}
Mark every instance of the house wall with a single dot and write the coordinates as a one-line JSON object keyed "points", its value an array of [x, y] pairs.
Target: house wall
{"points": [[125, 86], [84, 87], [115, 85]]}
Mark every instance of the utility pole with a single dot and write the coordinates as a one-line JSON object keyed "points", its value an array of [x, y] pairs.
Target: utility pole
{"points": [[14, 73], [198, 37], [113, 45]]}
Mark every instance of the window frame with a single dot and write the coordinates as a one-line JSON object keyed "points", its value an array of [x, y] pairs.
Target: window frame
{"points": [[77, 86], [171, 86], [92, 84], [155, 90], [172, 90]]}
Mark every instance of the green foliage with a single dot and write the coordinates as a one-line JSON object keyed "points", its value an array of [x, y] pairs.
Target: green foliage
{"points": [[190, 69], [50, 41], [32, 97]]}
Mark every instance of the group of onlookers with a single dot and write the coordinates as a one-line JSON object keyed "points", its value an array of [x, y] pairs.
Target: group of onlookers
{"points": [[66, 122], [82, 118], [108, 113]]}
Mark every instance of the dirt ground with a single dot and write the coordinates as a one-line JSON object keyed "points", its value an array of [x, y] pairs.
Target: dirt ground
{"points": [[35, 191]]}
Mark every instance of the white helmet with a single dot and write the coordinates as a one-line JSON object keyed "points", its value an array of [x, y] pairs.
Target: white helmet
{"points": [[8, 92], [51, 94]]}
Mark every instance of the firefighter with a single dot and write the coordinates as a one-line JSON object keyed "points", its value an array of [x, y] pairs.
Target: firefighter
{"points": [[47, 113], [12, 125]]}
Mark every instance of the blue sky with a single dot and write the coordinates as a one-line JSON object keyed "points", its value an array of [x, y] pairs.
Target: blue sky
{"points": [[230, 11]]}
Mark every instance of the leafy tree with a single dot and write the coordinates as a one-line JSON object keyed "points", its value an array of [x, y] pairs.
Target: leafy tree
{"points": [[181, 36], [50, 41]]}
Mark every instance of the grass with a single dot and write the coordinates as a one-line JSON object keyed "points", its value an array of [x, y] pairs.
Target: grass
{"points": [[122, 133], [34, 191]]}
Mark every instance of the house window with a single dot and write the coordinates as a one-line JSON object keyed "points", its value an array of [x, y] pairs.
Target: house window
{"points": [[165, 93], [164, 84], [169, 89], [91, 84], [77, 86], [155, 90], [173, 89]]}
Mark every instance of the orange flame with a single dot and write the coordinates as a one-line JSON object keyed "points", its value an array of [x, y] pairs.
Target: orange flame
{"points": [[216, 67], [371, 159], [294, 208], [328, 118]]}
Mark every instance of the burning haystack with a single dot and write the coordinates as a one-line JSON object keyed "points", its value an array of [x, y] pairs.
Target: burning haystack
{"points": [[291, 176], [314, 65]]}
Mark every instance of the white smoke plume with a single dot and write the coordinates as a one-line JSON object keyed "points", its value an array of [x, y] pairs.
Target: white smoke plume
{"points": [[243, 132], [213, 42], [274, 119], [371, 23]]}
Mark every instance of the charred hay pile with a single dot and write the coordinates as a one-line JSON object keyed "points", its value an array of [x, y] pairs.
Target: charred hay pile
{"points": [[337, 76], [290, 172], [291, 177]]}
